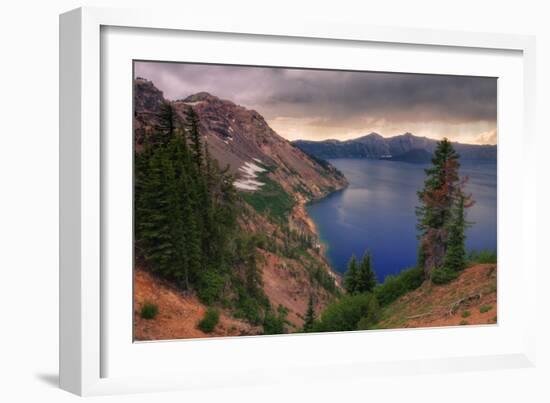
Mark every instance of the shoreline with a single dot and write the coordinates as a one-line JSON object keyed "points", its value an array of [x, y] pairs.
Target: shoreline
{"points": [[323, 246]]}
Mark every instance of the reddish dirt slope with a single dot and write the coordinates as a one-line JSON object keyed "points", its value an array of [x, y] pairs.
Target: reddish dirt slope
{"points": [[287, 283], [178, 314], [471, 299]]}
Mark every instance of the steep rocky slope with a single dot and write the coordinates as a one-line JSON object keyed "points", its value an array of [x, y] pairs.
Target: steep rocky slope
{"points": [[275, 180], [237, 136], [240, 138]]}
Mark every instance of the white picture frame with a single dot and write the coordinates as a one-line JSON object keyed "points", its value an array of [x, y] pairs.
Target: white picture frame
{"points": [[89, 325]]}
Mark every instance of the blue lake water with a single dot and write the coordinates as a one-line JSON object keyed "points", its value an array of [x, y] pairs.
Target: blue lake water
{"points": [[377, 212]]}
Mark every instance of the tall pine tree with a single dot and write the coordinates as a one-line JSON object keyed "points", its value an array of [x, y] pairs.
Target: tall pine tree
{"points": [[442, 188], [309, 320], [195, 136], [366, 278], [455, 258], [351, 276], [166, 124], [153, 211], [189, 241]]}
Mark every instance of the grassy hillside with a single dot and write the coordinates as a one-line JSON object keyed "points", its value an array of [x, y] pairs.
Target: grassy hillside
{"points": [[270, 199], [471, 299]]}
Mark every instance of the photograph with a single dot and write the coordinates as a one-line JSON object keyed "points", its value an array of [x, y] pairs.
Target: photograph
{"points": [[278, 200]]}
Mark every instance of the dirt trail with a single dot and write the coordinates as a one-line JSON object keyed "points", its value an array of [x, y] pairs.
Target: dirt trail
{"points": [[471, 299]]}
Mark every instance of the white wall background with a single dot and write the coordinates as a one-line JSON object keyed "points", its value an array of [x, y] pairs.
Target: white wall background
{"points": [[29, 201]]}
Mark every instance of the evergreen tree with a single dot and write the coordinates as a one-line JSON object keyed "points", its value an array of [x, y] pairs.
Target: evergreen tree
{"points": [[350, 277], [207, 177], [437, 198], [253, 277], [195, 137], [153, 212], [366, 278], [310, 315], [165, 223], [189, 241], [441, 214], [455, 258], [166, 126]]}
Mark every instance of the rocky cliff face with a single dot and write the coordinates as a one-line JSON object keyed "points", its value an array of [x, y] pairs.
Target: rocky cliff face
{"points": [[147, 103], [374, 145], [263, 164], [241, 138]]}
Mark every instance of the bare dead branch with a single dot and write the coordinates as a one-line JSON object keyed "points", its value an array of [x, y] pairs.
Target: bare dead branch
{"points": [[463, 301]]}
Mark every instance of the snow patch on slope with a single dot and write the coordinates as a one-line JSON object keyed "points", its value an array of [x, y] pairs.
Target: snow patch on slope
{"points": [[248, 180]]}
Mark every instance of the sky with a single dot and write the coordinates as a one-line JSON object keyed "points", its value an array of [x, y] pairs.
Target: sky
{"points": [[328, 104]]}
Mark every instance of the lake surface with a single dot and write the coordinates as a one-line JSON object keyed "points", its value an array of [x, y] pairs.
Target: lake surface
{"points": [[377, 212]]}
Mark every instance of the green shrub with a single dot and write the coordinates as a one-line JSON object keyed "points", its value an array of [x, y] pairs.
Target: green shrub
{"points": [[485, 308], [250, 309], [275, 323], [149, 310], [210, 286], [483, 256], [443, 276], [210, 320], [465, 314], [394, 287], [271, 198], [463, 322], [364, 324], [348, 313]]}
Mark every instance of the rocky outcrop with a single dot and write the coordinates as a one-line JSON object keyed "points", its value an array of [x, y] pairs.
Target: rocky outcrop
{"points": [[237, 136], [147, 103]]}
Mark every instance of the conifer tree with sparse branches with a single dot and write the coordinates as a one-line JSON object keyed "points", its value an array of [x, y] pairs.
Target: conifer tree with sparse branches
{"points": [[441, 213]]}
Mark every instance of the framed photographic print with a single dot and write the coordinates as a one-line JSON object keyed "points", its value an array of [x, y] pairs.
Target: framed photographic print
{"points": [[237, 198]]}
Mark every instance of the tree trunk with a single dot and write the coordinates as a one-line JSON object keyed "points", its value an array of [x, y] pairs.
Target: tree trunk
{"points": [[433, 243]]}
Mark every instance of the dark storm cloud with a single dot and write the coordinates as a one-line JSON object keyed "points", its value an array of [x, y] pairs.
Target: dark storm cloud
{"points": [[322, 99], [395, 96]]}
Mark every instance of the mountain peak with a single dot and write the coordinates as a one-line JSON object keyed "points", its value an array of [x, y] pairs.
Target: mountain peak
{"points": [[373, 134], [370, 136], [201, 96]]}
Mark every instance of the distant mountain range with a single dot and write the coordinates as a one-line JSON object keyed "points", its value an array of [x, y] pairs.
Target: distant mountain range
{"points": [[404, 147]]}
